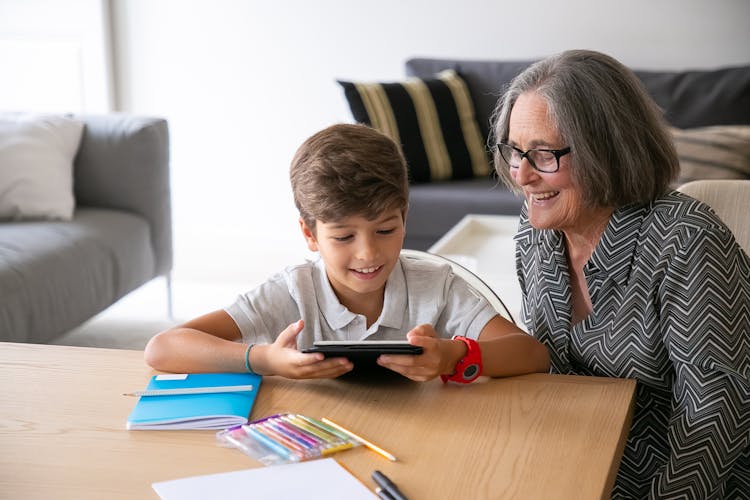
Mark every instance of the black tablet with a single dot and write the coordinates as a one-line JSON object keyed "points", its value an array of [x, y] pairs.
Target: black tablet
{"points": [[363, 349]]}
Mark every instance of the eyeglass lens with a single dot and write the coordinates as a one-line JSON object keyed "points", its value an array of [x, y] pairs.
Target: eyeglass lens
{"points": [[544, 161]]}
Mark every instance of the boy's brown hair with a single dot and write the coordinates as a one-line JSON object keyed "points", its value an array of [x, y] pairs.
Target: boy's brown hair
{"points": [[348, 170]]}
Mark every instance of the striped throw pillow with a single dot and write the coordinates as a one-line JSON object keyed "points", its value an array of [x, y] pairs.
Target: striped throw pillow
{"points": [[717, 152], [433, 120]]}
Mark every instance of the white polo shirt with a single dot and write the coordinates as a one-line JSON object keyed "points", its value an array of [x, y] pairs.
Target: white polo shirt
{"points": [[416, 292]]}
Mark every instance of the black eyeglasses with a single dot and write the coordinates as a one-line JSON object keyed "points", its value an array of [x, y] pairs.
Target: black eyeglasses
{"points": [[543, 160]]}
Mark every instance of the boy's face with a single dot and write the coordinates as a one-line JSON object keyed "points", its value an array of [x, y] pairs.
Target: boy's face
{"points": [[359, 254]]}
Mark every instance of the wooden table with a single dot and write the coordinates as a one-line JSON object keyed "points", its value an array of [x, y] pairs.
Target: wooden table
{"points": [[62, 430]]}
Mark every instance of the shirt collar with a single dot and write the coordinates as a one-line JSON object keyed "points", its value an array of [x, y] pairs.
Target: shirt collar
{"points": [[332, 310]]}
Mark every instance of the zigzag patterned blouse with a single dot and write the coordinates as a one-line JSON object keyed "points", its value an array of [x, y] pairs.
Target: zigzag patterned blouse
{"points": [[670, 289]]}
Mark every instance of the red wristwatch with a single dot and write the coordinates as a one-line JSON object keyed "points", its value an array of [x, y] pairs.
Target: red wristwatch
{"points": [[468, 368]]}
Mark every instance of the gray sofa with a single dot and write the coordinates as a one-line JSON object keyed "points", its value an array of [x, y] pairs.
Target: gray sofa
{"points": [[54, 275], [689, 98]]}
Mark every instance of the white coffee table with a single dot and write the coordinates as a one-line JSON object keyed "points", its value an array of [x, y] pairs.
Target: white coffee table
{"points": [[484, 245]]}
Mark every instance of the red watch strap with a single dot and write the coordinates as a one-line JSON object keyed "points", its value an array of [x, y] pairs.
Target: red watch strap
{"points": [[468, 368]]}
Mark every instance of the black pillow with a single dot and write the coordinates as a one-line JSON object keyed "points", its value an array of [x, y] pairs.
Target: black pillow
{"points": [[433, 120]]}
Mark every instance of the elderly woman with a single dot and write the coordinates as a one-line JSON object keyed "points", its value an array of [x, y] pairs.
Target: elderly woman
{"points": [[623, 277]]}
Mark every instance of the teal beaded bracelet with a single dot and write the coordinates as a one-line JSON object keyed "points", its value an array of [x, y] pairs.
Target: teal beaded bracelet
{"points": [[247, 358]]}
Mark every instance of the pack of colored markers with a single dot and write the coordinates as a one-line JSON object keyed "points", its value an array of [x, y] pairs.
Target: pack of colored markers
{"points": [[286, 438]]}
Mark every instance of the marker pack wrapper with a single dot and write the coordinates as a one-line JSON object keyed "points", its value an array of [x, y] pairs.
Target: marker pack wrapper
{"points": [[285, 438]]}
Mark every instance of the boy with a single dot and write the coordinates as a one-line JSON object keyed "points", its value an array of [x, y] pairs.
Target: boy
{"points": [[350, 186]]}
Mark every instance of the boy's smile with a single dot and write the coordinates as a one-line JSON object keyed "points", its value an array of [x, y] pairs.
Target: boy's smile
{"points": [[368, 273], [359, 255]]}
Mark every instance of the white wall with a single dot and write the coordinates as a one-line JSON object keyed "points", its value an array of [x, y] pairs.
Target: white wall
{"points": [[55, 56], [242, 83]]}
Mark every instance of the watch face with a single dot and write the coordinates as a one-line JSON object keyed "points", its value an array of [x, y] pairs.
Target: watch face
{"points": [[471, 372]]}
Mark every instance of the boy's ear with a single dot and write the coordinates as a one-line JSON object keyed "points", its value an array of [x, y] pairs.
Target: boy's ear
{"points": [[312, 242]]}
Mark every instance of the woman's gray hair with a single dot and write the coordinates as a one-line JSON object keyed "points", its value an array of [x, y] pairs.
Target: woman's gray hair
{"points": [[621, 148]]}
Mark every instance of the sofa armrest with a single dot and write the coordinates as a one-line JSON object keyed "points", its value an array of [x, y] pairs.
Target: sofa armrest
{"points": [[123, 163]]}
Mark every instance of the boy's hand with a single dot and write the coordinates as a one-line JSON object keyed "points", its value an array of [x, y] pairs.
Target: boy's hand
{"points": [[437, 356], [283, 358]]}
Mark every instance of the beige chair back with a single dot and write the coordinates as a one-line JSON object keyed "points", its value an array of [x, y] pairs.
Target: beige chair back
{"points": [[730, 199], [475, 281]]}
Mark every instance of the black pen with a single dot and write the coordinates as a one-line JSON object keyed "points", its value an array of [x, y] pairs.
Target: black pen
{"points": [[388, 486], [382, 494]]}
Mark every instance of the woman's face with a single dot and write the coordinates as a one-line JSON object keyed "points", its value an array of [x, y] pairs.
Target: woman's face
{"points": [[553, 200]]}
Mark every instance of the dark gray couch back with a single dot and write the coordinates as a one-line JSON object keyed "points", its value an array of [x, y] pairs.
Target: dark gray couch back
{"points": [[689, 98]]}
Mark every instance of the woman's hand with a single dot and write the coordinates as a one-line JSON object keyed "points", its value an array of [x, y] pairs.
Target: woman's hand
{"points": [[439, 356], [283, 358]]}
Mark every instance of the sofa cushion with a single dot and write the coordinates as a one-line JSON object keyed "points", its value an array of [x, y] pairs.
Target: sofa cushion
{"points": [[36, 165], [55, 275], [485, 79], [433, 119], [720, 152], [701, 98]]}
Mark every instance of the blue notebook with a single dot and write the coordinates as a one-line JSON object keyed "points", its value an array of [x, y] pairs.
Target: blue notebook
{"points": [[214, 410]]}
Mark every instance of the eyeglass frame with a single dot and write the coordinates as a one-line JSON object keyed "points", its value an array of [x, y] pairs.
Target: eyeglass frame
{"points": [[557, 153]]}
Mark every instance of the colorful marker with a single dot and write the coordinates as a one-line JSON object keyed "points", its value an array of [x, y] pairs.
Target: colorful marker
{"points": [[334, 449], [304, 429], [325, 427], [271, 444], [317, 431], [269, 431], [295, 433]]}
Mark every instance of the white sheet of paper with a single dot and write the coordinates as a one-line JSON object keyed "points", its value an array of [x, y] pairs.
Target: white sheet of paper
{"points": [[321, 479]]}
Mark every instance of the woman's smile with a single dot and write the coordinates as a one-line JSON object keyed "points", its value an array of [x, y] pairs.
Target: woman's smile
{"points": [[539, 198]]}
